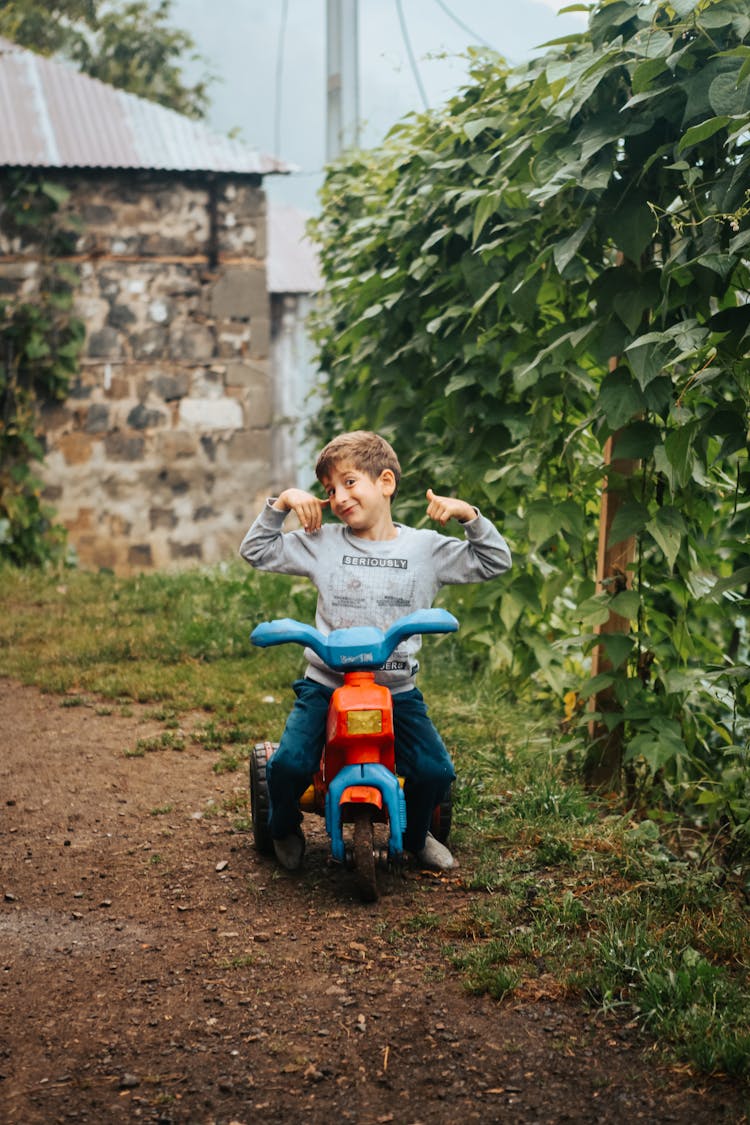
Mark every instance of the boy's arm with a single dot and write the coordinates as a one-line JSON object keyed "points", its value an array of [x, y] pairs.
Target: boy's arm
{"points": [[482, 554], [267, 547]]}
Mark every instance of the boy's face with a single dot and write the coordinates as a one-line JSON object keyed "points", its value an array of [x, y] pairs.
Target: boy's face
{"points": [[360, 502]]}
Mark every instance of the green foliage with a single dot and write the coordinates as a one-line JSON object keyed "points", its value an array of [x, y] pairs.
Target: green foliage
{"points": [[40, 341], [557, 257], [128, 44]]}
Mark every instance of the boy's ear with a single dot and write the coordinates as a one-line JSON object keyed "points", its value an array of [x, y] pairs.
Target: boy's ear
{"points": [[388, 481]]}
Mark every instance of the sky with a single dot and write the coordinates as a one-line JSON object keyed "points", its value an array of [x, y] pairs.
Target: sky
{"points": [[269, 57]]}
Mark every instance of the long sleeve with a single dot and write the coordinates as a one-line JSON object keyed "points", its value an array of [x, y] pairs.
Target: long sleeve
{"points": [[267, 547], [481, 554]]}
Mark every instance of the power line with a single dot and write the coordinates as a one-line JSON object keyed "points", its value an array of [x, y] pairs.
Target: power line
{"points": [[410, 53], [280, 48], [464, 27]]}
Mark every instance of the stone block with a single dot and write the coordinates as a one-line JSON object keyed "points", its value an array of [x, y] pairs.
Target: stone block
{"points": [[118, 388], [245, 375], [151, 342], [211, 414], [250, 446], [105, 344], [170, 387], [240, 294], [192, 341], [139, 556], [234, 339], [95, 552], [207, 383], [75, 447], [83, 521], [162, 517], [173, 445], [260, 336], [54, 417], [142, 417], [186, 550], [121, 316], [97, 418], [121, 446]]}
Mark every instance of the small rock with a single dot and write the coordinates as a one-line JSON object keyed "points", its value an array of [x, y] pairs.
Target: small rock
{"points": [[129, 1082], [9, 897], [222, 865]]}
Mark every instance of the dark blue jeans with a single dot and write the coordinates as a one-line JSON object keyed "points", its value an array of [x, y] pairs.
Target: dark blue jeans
{"points": [[421, 759]]}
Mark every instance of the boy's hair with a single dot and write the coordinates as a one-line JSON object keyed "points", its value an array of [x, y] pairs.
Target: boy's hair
{"points": [[367, 452]]}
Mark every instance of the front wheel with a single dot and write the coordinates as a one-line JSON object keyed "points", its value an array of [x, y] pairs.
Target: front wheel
{"points": [[364, 855], [260, 806]]}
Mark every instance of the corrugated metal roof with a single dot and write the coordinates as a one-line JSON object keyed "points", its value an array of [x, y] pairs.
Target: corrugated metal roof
{"points": [[52, 116], [292, 264]]}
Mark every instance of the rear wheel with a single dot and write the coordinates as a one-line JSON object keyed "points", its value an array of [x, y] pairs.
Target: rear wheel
{"points": [[364, 855], [259, 801], [442, 818]]}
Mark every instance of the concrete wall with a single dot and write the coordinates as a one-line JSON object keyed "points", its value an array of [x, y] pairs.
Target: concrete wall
{"points": [[161, 454], [296, 397]]}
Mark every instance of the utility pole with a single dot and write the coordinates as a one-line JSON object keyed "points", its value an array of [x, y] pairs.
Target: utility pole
{"points": [[342, 66]]}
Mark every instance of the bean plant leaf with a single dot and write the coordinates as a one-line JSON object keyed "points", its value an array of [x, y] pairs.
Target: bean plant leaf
{"points": [[668, 529]]}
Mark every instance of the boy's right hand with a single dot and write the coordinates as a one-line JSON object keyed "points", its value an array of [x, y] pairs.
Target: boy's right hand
{"points": [[307, 508]]}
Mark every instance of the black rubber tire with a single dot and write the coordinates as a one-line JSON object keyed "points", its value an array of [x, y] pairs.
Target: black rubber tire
{"points": [[259, 802], [442, 818], [364, 855]]}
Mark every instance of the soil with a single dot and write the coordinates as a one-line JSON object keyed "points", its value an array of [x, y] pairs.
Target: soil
{"points": [[154, 967]]}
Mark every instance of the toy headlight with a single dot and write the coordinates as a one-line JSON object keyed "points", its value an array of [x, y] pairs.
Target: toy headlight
{"points": [[364, 722]]}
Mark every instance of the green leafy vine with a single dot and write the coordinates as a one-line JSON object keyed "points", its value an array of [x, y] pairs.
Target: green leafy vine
{"points": [[40, 341], [557, 257]]}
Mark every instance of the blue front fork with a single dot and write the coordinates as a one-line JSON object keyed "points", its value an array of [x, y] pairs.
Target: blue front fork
{"points": [[370, 773]]}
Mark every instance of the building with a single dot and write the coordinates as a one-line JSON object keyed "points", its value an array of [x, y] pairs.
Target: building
{"points": [[163, 451]]}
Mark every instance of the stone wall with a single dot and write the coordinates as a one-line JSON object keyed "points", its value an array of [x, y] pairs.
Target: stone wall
{"points": [[161, 454]]}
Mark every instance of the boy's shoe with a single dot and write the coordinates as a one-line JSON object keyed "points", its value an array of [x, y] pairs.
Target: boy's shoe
{"points": [[290, 850], [434, 855]]}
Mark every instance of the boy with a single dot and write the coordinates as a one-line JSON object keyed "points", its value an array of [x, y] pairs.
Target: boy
{"points": [[368, 570]]}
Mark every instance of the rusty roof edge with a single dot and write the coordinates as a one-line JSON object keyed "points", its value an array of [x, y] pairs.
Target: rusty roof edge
{"points": [[155, 137]]}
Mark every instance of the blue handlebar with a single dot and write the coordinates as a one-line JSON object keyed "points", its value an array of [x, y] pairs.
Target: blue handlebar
{"points": [[363, 646]]}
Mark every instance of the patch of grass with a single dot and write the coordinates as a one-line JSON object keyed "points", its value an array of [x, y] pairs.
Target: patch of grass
{"points": [[161, 810], [180, 641], [74, 701], [167, 740]]}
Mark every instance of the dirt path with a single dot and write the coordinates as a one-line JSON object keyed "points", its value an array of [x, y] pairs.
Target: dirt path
{"points": [[154, 968]]}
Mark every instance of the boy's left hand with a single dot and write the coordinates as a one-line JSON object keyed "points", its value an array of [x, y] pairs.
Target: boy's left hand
{"points": [[444, 508]]}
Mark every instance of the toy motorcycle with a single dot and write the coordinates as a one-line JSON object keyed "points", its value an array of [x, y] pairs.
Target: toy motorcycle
{"points": [[356, 783]]}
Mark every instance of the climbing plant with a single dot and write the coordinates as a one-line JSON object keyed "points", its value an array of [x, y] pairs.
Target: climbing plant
{"points": [[557, 256], [40, 340]]}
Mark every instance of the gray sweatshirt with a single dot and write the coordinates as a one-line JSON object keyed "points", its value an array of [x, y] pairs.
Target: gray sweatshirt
{"points": [[365, 582]]}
